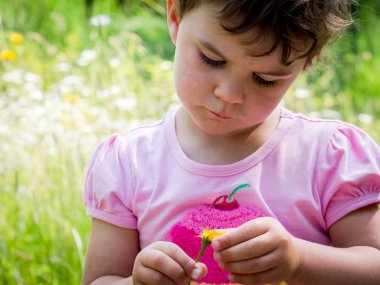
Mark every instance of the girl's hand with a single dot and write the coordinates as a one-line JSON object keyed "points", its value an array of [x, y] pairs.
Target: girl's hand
{"points": [[165, 263], [260, 251]]}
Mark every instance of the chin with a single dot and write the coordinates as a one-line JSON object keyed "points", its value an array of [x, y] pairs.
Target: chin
{"points": [[212, 131], [216, 132]]}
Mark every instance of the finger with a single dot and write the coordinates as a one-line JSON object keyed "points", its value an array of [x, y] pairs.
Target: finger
{"points": [[267, 277], [243, 233], [159, 261], [252, 266], [149, 276], [203, 272], [187, 266], [249, 249]]}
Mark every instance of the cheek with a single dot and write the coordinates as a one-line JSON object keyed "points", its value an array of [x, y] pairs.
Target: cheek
{"points": [[269, 96], [277, 93], [189, 76]]}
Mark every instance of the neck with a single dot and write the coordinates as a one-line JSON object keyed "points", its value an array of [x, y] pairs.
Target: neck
{"points": [[222, 149]]}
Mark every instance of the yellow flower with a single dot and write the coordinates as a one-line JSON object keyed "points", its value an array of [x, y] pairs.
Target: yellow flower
{"points": [[16, 38], [208, 235], [7, 55], [70, 98]]}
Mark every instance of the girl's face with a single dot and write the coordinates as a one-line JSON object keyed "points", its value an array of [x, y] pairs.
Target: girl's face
{"points": [[225, 88]]}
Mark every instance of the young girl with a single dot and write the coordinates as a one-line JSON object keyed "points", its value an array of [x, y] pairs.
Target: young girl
{"points": [[311, 187]]}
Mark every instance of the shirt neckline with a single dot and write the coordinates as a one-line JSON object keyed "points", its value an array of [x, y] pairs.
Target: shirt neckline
{"points": [[227, 169]]}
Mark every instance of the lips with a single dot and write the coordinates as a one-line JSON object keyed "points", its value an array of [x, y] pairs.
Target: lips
{"points": [[220, 115]]}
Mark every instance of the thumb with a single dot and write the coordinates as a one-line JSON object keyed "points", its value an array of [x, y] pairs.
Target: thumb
{"points": [[198, 271]]}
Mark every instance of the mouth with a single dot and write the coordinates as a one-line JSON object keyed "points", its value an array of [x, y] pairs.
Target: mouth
{"points": [[220, 116]]}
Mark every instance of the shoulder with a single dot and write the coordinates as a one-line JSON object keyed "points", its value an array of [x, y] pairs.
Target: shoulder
{"points": [[325, 131], [149, 139], [146, 136], [114, 169], [120, 145], [308, 134], [119, 152], [302, 121], [329, 143], [152, 132]]}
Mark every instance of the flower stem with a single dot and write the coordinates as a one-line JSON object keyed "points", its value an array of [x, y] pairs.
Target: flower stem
{"points": [[204, 245]]}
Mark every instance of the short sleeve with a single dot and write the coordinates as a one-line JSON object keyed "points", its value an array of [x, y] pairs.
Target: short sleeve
{"points": [[108, 191], [348, 173]]}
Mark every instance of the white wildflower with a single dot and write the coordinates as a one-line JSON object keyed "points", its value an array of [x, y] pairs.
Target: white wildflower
{"points": [[63, 67], [15, 76], [32, 78], [37, 95], [86, 57], [302, 93], [165, 65], [114, 62], [116, 90], [70, 83], [125, 104], [365, 118], [100, 20], [12, 92]]}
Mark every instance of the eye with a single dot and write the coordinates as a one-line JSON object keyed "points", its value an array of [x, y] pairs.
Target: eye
{"points": [[210, 62], [263, 82]]}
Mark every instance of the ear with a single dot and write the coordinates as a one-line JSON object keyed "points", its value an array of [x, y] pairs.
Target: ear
{"points": [[173, 19]]}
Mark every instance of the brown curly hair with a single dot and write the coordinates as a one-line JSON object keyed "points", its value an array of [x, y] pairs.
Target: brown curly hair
{"points": [[289, 21]]}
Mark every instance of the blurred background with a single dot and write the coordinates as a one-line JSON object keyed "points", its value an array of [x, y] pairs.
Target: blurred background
{"points": [[75, 71]]}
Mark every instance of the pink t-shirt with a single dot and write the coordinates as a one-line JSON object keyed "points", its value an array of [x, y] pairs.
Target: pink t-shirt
{"points": [[308, 175]]}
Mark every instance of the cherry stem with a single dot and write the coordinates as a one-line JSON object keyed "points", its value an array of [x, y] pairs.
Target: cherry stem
{"points": [[237, 189]]}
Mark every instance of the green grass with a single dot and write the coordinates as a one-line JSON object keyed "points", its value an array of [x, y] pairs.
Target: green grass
{"points": [[56, 105], [43, 221]]}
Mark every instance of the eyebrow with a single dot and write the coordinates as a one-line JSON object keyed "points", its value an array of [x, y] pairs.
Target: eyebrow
{"points": [[211, 48], [277, 74]]}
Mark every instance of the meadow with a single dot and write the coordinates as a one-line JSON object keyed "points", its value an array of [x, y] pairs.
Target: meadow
{"points": [[69, 79]]}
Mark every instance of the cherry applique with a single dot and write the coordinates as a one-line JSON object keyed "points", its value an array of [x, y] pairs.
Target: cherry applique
{"points": [[227, 202]]}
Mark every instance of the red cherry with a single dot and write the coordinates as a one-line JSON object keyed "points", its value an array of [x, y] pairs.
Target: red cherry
{"points": [[227, 202], [222, 203]]}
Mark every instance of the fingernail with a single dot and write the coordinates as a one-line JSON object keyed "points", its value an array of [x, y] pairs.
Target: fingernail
{"points": [[231, 277], [217, 256], [215, 245], [196, 272]]}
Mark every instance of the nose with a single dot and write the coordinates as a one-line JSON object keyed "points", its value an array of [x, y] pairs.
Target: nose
{"points": [[230, 91]]}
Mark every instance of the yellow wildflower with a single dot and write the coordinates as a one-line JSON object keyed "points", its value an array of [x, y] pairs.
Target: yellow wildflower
{"points": [[7, 55], [70, 98], [16, 38], [209, 235]]}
